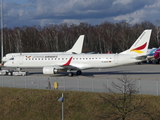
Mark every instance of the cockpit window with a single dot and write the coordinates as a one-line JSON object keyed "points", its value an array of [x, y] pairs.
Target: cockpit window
{"points": [[11, 59]]}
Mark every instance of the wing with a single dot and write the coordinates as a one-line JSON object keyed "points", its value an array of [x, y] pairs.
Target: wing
{"points": [[59, 68], [68, 66]]}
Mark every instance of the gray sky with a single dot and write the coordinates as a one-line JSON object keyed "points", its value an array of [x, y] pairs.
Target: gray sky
{"points": [[19, 13]]}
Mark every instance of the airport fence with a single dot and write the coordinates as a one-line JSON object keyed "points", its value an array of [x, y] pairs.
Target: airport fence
{"points": [[90, 84]]}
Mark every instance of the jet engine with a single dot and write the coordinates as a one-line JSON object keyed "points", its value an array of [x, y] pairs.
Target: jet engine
{"points": [[51, 70]]}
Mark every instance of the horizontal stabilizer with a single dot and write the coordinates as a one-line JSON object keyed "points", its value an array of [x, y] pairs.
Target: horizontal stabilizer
{"points": [[141, 57]]}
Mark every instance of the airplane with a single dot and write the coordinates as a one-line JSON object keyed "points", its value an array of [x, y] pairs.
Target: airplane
{"points": [[157, 56], [151, 52], [76, 49], [153, 55], [150, 55], [53, 64]]}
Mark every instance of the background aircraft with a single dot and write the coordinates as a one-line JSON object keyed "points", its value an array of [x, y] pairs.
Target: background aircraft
{"points": [[150, 55], [52, 64], [153, 55], [157, 56], [76, 49]]}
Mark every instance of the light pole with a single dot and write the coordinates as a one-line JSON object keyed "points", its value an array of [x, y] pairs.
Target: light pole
{"points": [[1, 29], [62, 100]]}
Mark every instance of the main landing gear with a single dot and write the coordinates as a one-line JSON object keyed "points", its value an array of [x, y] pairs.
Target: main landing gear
{"points": [[79, 72], [70, 74]]}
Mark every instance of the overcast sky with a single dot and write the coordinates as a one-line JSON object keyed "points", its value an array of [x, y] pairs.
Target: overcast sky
{"points": [[19, 13]]}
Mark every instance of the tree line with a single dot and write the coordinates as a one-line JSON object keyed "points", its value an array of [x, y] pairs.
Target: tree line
{"points": [[107, 36]]}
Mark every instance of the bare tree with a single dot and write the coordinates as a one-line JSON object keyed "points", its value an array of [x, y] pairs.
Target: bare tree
{"points": [[158, 32], [114, 37], [123, 100]]}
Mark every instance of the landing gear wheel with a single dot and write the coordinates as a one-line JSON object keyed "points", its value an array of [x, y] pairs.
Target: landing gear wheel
{"points": [[79, 72], [10, 73], [158, 61], [70, 74]]}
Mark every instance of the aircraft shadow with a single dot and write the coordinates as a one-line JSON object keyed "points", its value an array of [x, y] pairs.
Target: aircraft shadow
{"points": [[117, 73], [98, 73]]}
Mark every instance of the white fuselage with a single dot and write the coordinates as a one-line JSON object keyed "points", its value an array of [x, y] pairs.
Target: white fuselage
{"points": [[80, 61]]}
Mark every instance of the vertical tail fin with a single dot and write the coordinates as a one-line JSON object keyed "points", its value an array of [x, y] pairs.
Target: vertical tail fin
{"points": [[140, 47], [77, 47]]}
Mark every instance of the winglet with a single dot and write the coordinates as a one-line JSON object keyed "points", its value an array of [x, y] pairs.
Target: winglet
{"points": [[68, 63], [77, 47]]}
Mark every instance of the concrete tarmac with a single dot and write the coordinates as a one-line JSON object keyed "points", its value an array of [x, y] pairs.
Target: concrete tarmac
{"points": [[146, 77]]}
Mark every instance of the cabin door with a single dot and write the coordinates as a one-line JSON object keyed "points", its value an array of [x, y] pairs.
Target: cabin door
{"points": [[116, 58], [20, 60]]}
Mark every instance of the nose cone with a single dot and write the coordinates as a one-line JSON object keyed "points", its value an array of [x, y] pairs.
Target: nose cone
{"points": [[6, 64], [4, 59]]}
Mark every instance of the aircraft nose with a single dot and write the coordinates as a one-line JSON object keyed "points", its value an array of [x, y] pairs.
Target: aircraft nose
{"points": [[4, 63], [3, 59]]}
